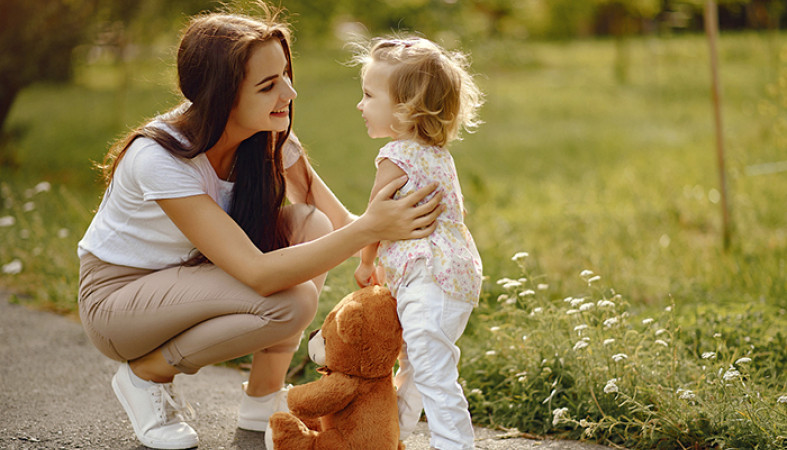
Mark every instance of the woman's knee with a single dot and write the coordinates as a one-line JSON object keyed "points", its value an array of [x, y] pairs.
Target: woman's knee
{"points": [[299, 306], [306, 222]]}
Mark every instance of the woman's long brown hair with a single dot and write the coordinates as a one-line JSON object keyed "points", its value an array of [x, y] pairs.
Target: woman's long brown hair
{"points": [[211, 62]]}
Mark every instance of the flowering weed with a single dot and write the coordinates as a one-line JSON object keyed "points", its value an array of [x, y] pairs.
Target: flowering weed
{"points": [[586, 367]]}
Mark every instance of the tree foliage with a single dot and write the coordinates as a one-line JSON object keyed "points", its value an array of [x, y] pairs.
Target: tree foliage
{"points": [[37, 38]]}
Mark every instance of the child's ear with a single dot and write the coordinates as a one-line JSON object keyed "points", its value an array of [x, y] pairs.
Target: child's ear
{"points": [[349, 323]]}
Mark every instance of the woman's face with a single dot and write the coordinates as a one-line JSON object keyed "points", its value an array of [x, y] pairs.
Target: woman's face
{"points": [[265, 95], [376, 106]]}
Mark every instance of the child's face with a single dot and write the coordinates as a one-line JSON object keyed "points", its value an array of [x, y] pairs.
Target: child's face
{"points": [[376, 106]]}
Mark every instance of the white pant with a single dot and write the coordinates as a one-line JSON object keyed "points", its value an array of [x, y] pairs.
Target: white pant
{"points": [[427, 375]]}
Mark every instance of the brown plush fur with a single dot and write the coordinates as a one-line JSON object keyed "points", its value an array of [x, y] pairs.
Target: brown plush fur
{"points": [[355, 400]]}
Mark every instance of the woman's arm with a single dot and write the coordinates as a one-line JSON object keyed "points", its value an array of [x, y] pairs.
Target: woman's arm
{"points": [[222, 240], [305, 186]]}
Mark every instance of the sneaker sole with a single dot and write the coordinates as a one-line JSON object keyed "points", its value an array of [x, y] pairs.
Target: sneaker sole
{"points": [[252, 425], [142, 439]]}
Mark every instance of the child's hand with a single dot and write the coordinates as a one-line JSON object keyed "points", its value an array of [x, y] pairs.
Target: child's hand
{"points": [[366, 275]]}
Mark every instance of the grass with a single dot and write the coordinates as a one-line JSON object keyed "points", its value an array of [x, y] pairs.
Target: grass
{"points": [[581, 171]]}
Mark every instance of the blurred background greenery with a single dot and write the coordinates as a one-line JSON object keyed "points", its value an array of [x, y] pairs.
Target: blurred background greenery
{"points": [[598, 153]]}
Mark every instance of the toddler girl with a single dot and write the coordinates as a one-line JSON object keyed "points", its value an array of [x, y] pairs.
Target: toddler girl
{"points": [[419, 96]]}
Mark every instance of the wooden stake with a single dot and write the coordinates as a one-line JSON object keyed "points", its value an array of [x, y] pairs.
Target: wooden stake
{"points": [[712, 31]]}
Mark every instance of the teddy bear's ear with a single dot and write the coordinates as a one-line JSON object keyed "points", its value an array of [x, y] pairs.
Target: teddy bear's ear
{"points": [[349, 322]]}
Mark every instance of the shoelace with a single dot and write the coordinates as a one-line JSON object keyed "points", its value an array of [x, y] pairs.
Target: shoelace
{"points": [[171, 407]]}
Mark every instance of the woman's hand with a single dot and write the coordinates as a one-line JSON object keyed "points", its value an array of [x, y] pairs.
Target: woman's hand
{"points": [[393, 220]]}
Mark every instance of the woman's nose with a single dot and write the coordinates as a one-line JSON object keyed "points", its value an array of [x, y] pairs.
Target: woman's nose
{"points": [[289, 93]]}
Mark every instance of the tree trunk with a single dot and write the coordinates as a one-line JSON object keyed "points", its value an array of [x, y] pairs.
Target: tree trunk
{"points": [[7, 96]]}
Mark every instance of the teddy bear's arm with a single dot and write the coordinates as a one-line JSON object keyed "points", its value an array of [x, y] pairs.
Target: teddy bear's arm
{"points": [[329, 394]]}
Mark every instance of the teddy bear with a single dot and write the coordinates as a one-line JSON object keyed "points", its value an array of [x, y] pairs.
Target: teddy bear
{"points": [[355, 399]]}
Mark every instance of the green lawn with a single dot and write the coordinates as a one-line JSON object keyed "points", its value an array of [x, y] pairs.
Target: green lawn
{"points": [[578, 169]]}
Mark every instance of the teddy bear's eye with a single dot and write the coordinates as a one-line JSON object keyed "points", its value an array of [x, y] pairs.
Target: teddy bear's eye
{"points": [[311, 335]]}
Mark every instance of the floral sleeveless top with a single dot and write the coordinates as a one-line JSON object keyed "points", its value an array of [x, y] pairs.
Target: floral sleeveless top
{"points": [[449, 251]]}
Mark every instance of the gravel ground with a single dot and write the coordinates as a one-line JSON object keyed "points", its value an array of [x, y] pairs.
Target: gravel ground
{"points": [[55, 394]]}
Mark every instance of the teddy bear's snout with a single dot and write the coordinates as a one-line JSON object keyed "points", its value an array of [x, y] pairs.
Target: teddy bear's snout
{"points": [[317, 347]]}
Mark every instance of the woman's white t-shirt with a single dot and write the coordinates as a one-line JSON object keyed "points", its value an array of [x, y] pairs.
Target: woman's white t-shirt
{"points": [[130, 229]]}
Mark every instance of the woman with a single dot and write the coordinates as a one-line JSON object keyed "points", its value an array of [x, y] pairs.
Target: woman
{"points": [[191, 259]]}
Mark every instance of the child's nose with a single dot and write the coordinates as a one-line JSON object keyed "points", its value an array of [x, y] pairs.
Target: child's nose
{"points": [[358, 106]]}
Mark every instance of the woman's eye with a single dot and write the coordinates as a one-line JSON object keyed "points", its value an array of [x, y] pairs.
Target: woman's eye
{"points": [[267, 88]]}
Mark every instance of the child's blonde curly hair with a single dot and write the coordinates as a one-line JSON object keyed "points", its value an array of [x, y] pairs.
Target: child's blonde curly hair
{"points": [[434, 93]]}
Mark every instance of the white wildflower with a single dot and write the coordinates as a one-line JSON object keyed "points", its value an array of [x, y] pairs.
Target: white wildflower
{"points": [[709, 355], [560, 415], [29, 206], [580, 327], [43, 186], [502, 297], [605, 304], [717, 335], [568, 299], [731, 374], [549, 397], [524, 337], [743, 360], [493, 329], [522, 280], [668, 308], [619, 357], [585, 306], [612, 321], [12, 268], [519, 255], [577, 301], [491, 353], [572, 311], [593, 279], [62, 233], [7, 221], [660, 332], [586, 273], [512, 284], [782, 399], [537, 310], [542, 287], [609, 341], [504, 281], [580, 345], [511, 301], [527, 292], [611, 386], [660, 342], [647, 321], [476, 391], [685, 394]]}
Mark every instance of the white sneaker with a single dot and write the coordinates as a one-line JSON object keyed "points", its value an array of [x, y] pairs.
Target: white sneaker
{"points": [[254, 413], [156, 414]]}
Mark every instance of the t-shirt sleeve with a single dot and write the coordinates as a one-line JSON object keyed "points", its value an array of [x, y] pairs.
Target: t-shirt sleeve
{"points": [[161, 175], [397, 153], [291, 151]]}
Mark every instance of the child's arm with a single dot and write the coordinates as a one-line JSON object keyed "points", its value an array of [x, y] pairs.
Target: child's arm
{"points": [[365, 274]]}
